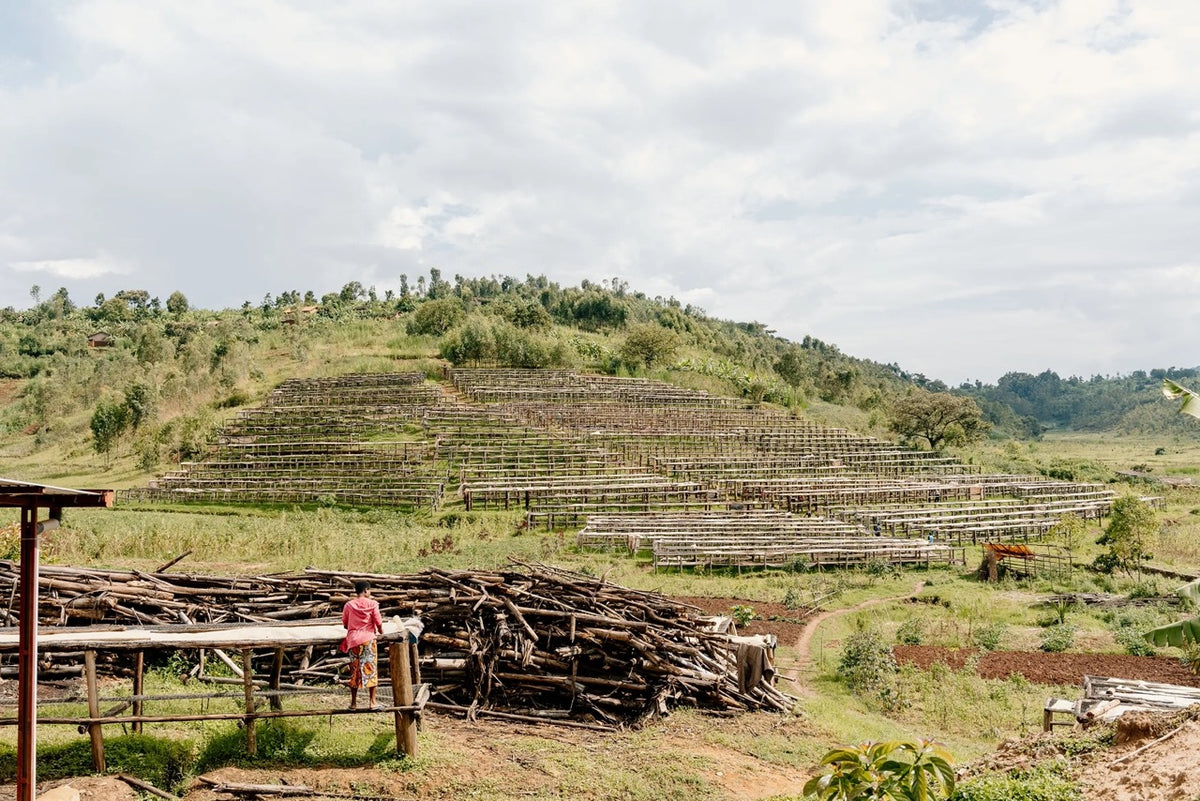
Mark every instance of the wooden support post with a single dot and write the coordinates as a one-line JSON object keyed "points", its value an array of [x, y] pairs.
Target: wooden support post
{"points": [[27, 667], [276, 672], [93, 695], [248, 689], [414, 660], [139, 668], [402, 695]]}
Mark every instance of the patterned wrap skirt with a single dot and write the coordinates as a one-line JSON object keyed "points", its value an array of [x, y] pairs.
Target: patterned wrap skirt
{"points": [[364, 665]]}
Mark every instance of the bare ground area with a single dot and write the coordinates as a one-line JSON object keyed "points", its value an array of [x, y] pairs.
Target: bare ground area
{"points": [[494, 760]]}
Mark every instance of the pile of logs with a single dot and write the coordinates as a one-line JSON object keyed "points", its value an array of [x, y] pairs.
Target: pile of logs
{"points": [[532, 640]]}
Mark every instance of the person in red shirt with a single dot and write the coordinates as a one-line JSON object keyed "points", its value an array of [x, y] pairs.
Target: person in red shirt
{"points": [[363, 622]]}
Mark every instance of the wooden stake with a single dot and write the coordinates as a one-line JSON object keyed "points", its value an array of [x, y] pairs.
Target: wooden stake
{"points": [[248, 687], [139, 667], [402, 694], [276, 671], [94, 730]]}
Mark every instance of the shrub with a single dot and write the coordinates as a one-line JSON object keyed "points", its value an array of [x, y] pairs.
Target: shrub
{"points": [[990, 637], [436, 317], [1058, 638], [10, 541], [866, 663], [1191, 657], [1132, 639], [742, 615], [881, 568], [1048, 782], [278, 742], [895, 771], [911, 631], [163, 762]]}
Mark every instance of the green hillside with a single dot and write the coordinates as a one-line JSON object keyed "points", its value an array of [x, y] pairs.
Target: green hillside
{"points": [[156, 389]]}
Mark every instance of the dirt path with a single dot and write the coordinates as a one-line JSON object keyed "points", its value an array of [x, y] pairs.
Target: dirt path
{"points": [[803, 645]]}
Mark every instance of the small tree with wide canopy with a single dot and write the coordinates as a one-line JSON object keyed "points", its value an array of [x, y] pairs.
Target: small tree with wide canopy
{"points": [[938, 418]]}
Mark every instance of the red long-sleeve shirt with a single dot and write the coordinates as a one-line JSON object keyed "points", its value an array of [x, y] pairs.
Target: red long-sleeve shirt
{"points": [[362, 620]]}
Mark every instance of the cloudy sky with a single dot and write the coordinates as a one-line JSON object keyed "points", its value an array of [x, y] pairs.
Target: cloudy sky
{"points": [[965, 187]]}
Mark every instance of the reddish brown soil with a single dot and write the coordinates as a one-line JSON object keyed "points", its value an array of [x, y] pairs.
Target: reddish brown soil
{"points": [[1043, 668], [777, 619]]}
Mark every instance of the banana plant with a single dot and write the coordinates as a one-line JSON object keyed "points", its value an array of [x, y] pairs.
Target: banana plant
{"points": [[1183, 632], [1191, 400]]}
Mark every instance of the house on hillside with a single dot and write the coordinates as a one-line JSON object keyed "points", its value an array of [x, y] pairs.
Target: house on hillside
{"points": [[101, 339], [291, 315]]}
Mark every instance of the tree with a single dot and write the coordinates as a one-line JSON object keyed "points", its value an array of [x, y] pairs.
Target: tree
{"points": [[177, 303], [1068, 531], [790, 366], [1131, 533], [108, 423], [647, 344], [889, 771], [139, 405], [939, 418], [436, 317]]}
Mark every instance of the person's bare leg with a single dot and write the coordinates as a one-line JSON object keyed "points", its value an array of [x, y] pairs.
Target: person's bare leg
{"points": [[353, 697], [371, 694]]}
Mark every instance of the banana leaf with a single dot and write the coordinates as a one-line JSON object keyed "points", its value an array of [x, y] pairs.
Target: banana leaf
{"points": [[1177, 634], [1190, 592], [1191, 401]]}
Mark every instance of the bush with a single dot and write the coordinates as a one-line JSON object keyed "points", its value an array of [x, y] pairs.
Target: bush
{"points": [[911, 631], [990, 637], [866, 663], [163, 762], [1048, 782], [890, 771], [881, 568], [1058, 638], [435, 317], [1132, 639], [278, 742], [742, 615]]}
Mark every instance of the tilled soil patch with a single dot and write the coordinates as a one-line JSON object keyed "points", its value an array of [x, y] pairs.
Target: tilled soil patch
{"points": [[1045, 668], [769, 618]]}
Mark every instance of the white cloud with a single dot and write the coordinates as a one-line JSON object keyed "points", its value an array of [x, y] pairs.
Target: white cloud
{"points": [[74, 268], [965, 188]]}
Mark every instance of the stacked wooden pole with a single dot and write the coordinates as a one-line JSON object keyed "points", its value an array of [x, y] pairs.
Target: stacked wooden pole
{"points": [[532, 640]]}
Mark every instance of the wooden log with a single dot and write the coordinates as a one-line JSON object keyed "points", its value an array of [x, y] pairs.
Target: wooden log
{"points": [[94, 730], [276, 701], [173, 562], [139, 669], [402, 694], [248, 691], [146, 787], [237, 788]]}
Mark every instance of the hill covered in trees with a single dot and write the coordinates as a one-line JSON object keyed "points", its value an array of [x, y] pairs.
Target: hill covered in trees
{"points": [[147, 382], [1131, 404]]}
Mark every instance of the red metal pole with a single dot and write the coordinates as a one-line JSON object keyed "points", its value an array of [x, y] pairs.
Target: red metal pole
{"points": [[27, 661]]}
